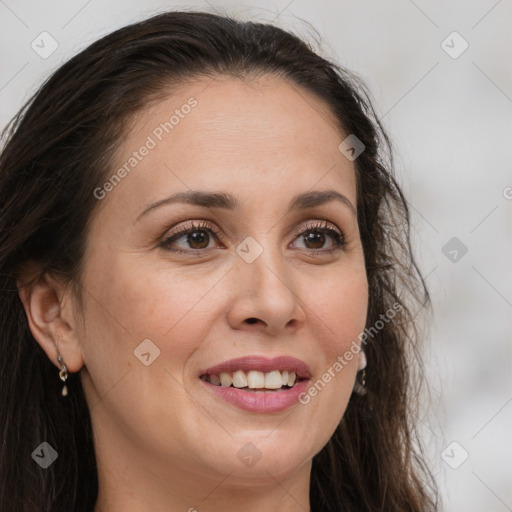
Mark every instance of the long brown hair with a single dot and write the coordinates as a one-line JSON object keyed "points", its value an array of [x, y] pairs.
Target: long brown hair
{"points": [[58, 149]]}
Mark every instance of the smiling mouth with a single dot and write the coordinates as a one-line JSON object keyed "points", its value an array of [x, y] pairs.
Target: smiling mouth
{"points": [[253, 380]]}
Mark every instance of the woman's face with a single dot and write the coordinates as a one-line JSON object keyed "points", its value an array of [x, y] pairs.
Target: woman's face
{"points": [[267, 271]]}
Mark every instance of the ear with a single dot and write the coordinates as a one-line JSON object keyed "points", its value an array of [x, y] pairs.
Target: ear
{"points": [[48, 304]]}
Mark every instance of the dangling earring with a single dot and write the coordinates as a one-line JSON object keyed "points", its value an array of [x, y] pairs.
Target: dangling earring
{"points": [[360, 389], [63, 374]]}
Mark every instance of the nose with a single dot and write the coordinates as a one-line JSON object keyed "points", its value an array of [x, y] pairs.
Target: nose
{"points": [[265, 295]]}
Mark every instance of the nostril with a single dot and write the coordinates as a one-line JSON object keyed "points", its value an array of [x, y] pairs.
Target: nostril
{"points": [[251, 320]]}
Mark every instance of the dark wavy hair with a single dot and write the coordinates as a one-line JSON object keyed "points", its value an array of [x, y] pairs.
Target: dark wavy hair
{"points": [[59, 148]]}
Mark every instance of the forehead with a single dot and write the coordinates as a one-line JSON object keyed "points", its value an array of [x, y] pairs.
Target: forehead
{"points": [[233, 133]]}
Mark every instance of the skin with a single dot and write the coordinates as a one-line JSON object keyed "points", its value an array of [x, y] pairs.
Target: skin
{"points": [[163, 441]]}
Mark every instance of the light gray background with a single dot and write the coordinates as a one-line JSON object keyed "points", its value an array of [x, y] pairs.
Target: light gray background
{"points": [[449, 119]]}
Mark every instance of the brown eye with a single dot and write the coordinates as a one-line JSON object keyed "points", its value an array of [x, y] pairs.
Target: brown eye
{"points": [[195, 238], [316, 239], [316, 235], [198, 239]]}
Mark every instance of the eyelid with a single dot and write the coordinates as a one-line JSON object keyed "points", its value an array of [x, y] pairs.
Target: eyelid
{"points": [[315, 224], [191, 224]]}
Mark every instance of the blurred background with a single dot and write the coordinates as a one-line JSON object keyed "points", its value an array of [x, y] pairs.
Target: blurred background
{"points": [[441, 80]]}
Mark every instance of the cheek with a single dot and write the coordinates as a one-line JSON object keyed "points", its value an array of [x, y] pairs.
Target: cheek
{"points": [[145, 296], [339, 311], [142, 300], [131, 301], [341, 306], [175, 307]]}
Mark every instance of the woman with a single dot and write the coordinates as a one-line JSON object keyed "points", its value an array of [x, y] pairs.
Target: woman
{"points": [[208, 283]]}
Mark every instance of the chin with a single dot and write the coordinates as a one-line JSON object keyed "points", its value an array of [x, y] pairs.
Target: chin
{"points": [[263, 457]]}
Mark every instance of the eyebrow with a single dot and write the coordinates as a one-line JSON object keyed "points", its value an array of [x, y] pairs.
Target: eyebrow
{"points": [[230, 202]]}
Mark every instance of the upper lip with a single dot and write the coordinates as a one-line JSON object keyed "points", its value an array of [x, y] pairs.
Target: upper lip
{"points": [[262, 364]]}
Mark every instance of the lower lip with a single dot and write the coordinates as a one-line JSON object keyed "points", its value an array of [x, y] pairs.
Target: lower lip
{"points": [[260, 401]]}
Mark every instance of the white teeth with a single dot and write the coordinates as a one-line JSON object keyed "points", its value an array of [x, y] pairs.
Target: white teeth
{"points": [[225, 379], [239, 379], [273, 380], [254, 379]]}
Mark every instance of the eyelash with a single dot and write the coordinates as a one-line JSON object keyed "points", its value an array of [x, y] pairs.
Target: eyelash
{"points": [[322, 227]]}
